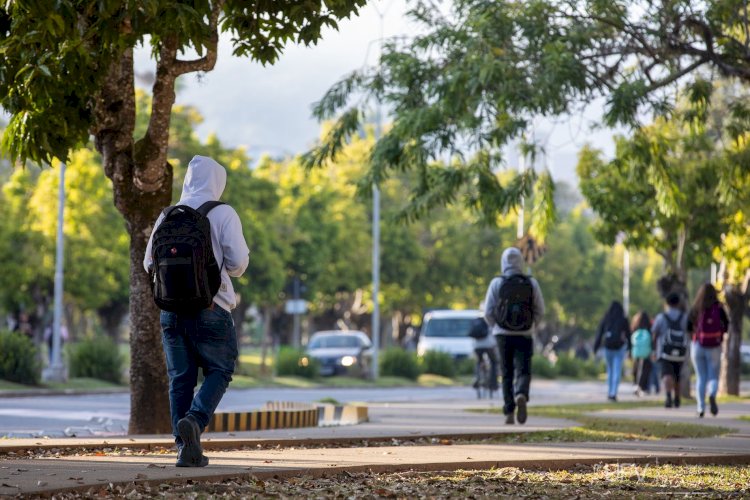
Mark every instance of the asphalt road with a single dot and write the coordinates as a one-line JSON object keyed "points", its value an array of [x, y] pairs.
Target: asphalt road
{"points": [[107, 414]]}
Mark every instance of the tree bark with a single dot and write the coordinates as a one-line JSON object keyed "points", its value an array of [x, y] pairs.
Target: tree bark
{"points": [[140, 193], [729, 379]]}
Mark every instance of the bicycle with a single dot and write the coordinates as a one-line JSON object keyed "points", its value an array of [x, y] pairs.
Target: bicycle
{"points": [[483, 384]]}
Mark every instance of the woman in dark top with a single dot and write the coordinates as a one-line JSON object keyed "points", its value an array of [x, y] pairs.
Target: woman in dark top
{"points": [[614, 335], [707, 322]]}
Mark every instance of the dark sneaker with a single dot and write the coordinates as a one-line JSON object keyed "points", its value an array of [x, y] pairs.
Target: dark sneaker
{"points": [[521, 408], [612, 398], [181, 462], [676, 400], [701, 413], [191, 454], [510, 419], [714, 406], [668, 401]]}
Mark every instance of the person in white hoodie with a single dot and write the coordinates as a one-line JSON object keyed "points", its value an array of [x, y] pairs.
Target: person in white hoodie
{"points": [[516, 345], [207, 338]]}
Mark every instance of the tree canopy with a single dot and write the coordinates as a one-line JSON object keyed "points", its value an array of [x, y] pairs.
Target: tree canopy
{"points": [[478, 74]]}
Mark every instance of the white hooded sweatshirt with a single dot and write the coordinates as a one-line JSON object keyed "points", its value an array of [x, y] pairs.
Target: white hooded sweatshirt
{"points": [[205, 181], [511, 263]]}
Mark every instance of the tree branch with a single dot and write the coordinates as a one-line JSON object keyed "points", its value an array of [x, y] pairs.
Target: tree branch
{"points": [[207, 62]]}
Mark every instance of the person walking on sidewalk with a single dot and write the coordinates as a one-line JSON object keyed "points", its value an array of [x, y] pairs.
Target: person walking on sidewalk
{"points": [[513, 306], [670, 345], [614, 335], [484, 346], [194, 249], [640, 350], [708, 321]]}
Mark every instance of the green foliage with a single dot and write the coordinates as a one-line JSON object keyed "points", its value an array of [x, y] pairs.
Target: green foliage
{"points": [[396, 362], [47, 57], [542, 367], [438, 363], [568, 366], [18, 359], [97, 357], [294, 362], [466, 366]]}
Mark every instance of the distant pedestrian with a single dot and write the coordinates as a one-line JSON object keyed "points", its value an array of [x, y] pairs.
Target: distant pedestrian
{"points": [[485, 346], [513, 307], [581, 351], [640, 350], [707, 321], [614, 335], [50, 338], [670, 345], [191, 261]]}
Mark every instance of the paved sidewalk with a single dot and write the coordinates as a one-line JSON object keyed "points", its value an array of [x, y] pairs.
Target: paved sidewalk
{"points": [[40, 475]]}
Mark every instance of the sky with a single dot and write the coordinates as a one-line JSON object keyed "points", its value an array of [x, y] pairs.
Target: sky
{"points": [[268, 109]]}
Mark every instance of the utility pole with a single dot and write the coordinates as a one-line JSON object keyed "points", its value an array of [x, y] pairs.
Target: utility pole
{"points": [[56, 371], [375, 326]]}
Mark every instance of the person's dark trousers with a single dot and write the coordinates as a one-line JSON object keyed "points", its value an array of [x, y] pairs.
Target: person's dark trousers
{"points": [[492, 356], [515, 363], [207, 340], [644, 373]]}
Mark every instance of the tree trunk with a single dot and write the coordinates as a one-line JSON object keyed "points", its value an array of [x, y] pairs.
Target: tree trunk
{"points": [[141, 189], [729, 379], [149, 398]]}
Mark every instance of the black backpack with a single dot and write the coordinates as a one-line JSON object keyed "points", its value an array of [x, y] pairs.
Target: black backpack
{"points": [[478, 329], [514, 310], [185, 274], [674, 346], [613, 337]]}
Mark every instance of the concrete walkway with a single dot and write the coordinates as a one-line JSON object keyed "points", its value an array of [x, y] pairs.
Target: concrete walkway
{"points": [[243, 454]]}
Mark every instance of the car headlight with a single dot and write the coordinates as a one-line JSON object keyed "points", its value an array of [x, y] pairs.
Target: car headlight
{"points": [[348, 360]]}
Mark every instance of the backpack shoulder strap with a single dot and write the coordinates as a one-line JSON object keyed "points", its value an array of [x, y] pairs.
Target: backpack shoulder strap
{"points": [[168, 210], [208, 206]]}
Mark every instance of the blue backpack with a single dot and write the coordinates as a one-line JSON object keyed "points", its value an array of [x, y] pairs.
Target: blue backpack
{"points": [[641, 343]]}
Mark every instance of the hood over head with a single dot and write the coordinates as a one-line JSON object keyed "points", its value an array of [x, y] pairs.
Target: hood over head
{"points": [[205, 180], [512, 261]]}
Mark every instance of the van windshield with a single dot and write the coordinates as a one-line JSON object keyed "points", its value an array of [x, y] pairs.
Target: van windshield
{"points": [[448, 327]]}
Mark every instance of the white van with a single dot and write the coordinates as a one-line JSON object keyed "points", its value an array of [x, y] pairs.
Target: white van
{"points": [[448, 331]]}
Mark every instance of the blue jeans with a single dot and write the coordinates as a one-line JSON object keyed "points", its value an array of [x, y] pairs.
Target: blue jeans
{"points": [[208, 341], [614, 359], [707, 364]]}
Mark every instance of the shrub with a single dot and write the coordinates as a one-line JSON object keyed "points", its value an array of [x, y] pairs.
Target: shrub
{"points": [[438, 363], [592, 368], [19, 360], [569, 366], [97, 358], [294, 362], [396, 362], [542, 367], [467, 366]]}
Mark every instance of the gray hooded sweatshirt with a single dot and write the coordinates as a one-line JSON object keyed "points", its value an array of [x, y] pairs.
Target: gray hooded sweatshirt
{"points": [[512, 263], [205, 181]]}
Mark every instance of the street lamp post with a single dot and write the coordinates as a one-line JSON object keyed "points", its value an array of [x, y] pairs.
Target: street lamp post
{"points": [[56, 371]]}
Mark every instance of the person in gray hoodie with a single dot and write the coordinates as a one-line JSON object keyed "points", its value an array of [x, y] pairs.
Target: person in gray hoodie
{"points": [[516, 346], [207, 338]]}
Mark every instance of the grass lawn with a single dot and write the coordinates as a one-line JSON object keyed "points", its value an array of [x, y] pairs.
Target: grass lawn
{"points": [[603, 429], [83, 384]]}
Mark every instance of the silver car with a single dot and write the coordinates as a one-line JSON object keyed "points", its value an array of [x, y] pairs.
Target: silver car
{"points": [[341, 352]]}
